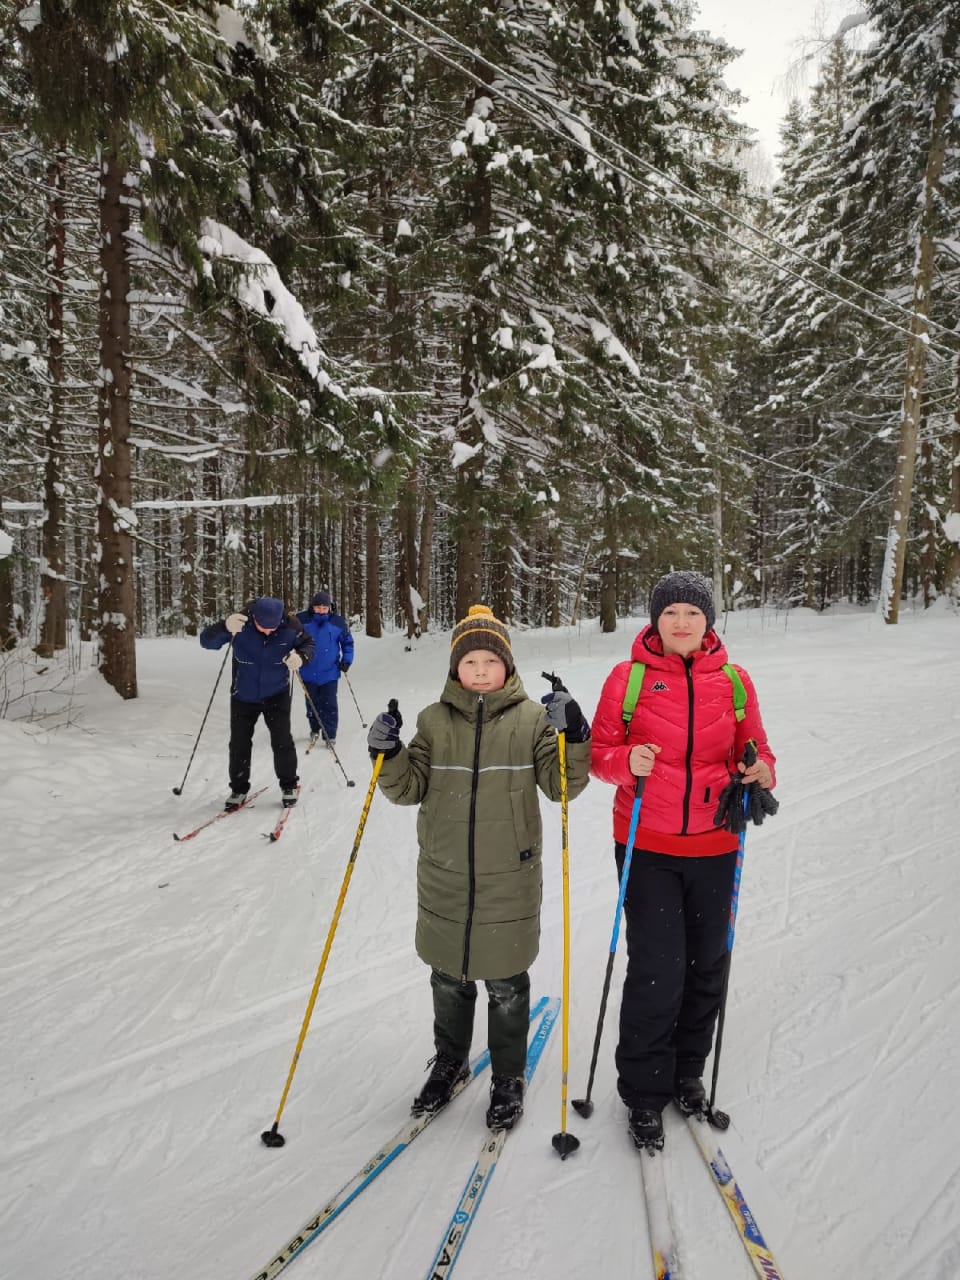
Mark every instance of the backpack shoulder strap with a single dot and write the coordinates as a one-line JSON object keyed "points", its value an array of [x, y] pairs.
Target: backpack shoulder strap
{"points": [[739, 692], [634, 684]]}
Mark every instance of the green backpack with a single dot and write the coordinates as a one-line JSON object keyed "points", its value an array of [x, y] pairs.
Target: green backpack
{"points": [[637, 672]]}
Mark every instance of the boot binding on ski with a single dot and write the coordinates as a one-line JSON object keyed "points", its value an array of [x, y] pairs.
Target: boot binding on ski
{"points": [[646, 1129], [506, 1102], [446, 1075]]}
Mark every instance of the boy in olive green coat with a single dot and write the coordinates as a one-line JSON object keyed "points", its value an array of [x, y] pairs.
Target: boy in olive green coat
{"points": [[473, 767]]}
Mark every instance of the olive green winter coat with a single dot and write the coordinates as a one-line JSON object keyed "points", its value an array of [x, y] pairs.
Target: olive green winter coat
{"points": [[474, 766]]}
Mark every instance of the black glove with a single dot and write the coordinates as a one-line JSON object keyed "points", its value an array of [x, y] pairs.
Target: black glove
{"points": [[563, 713], [383, 737], [344, 665], [731, 812]]}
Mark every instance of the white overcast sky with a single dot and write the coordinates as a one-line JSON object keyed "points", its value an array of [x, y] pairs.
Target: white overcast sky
{"points": [[771, 36]]}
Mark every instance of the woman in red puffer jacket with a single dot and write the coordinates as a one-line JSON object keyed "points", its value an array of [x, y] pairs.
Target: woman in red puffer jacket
{"points": [[685, 742]]}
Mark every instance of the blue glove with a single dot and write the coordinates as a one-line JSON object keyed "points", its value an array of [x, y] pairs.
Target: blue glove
{"points": [[383, 736], [564, 715], [344, 665]]}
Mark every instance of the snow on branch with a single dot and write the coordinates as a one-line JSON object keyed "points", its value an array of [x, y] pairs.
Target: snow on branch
{"points": [[260, 289]]}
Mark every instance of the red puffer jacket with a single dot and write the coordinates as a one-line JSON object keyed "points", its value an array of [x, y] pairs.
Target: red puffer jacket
{"points": [[685, 708]]}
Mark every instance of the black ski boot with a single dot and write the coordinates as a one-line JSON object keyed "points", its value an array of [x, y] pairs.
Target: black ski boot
{"points": [[447, 1072], [690, 1096], [646, 1129], [506, 1102]]}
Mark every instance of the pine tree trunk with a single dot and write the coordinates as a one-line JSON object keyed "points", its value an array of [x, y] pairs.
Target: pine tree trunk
{"points": [[116, 596], [8, 625], [952, 574], [928, 535], [608, 574], [189, 595], [53, 585], [373, 610], [407, 563], [427, 520], [891, 586]]}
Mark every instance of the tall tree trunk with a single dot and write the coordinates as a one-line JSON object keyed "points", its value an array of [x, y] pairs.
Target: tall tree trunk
{"points": [[116, 597], [427, 521], [608, 571], [407, 562], [53, 584], [928, 526], [891, 585], [373, 607], [470, 523], [8, 622]]}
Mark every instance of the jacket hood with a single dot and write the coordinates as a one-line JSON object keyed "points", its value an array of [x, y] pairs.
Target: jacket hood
{"points": [[467, 703]]}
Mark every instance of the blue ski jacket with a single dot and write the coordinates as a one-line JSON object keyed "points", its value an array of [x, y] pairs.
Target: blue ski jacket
{"points": [[332, 642], [258, 667]]}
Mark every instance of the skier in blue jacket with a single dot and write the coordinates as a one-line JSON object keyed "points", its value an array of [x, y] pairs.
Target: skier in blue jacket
{"points": [[269, 645], [333, 655]]}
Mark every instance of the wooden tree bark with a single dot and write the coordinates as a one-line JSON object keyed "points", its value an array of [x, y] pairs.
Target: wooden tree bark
{"points": [[427, 521], [407, 560], [116, 594], [8, 626], [373, 607], [891, 585], [53, 585]]}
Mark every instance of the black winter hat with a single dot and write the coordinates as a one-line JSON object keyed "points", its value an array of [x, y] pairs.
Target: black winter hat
{"points": [[683, 587], [322, 597]]}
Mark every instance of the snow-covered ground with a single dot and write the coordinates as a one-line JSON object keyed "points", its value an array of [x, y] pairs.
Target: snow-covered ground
{"points": [[152, 992]]}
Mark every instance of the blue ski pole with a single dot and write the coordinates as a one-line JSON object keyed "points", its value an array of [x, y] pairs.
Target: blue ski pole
{"points": [[584, 1106]]}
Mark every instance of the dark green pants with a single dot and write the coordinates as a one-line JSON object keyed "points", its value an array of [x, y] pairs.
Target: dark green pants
{"points": [[508, 1019]]}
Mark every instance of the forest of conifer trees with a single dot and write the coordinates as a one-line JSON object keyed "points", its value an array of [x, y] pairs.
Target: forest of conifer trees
{"points": [[437, 302]]}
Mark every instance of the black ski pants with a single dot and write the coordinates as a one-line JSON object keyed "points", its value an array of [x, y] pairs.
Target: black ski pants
{"points": [[677, 912], [243, 719], [508, 1019]]}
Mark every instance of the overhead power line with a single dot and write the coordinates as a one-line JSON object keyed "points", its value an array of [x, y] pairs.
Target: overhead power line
{"points": [[571, 137]]}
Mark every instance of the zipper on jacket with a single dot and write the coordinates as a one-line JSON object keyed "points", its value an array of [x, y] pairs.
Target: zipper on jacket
{"points": [[471, 841], [688, 759]]}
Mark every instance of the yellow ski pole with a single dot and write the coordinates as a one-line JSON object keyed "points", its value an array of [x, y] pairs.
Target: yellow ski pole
{"points": [[563, 1142], [271, 1137]]}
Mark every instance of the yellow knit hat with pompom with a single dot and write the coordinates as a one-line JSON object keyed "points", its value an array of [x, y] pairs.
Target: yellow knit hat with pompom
{"points": [[480, 630]]}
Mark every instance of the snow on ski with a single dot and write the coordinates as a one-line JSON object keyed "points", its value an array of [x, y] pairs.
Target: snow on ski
{"points": [[663, 1244], [751, 1237], [483, 1170], [284, 818], [372, 1169], [223, 813]]}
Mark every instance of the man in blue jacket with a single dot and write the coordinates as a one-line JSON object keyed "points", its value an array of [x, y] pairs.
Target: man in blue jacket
{"points": [[333, 646], [269, 645]]}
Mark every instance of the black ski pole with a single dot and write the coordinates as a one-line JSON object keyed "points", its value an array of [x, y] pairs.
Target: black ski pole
{"points": [[719, 1119], [179, 790], [354, 697], [326, 738]]}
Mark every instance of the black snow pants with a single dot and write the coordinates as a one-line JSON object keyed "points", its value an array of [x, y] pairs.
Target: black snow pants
{"points": [[243, 719], [677, 912]]}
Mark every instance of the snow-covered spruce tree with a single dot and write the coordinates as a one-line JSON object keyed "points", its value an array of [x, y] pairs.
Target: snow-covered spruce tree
{"points": [[904, 147], [120, 81], [548, 256], [820, 426]]}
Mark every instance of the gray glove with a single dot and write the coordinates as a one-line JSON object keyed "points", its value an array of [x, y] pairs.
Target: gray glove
{"points": [[383, 736], [564, 715], [235, 623], [293, 661]]}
